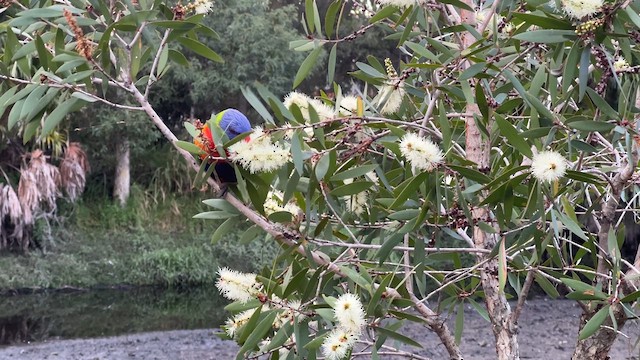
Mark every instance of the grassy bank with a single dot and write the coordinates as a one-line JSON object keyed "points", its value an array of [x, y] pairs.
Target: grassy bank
{"points": [[150, 242]]}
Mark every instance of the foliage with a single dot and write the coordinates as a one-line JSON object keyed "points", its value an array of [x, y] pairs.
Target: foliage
{"points": [[98, 243], [492, 133], [249, 57]]}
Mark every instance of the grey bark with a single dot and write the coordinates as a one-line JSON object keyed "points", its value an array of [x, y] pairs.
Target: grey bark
{"points": [[122, 183]]}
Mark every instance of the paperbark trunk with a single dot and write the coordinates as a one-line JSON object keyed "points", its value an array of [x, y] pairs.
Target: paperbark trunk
{"points": [[122, 182]]}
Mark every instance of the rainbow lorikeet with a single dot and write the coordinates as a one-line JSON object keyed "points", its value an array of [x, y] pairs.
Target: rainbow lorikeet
{"points": [[233, 123]]}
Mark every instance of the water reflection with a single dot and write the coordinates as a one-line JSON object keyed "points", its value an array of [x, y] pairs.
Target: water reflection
{"points": [[38, 317]]}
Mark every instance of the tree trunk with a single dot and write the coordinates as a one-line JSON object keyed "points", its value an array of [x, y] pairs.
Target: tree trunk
{"points": [[122, 183], [598, 345], [478, 150]]}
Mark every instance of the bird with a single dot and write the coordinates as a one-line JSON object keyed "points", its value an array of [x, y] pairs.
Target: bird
{"points": [[233, 123]]}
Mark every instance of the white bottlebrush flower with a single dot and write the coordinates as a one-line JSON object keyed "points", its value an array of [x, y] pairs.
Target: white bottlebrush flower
{"points": [[348, 106], [337, 344], [372, 176], [578, 9], [390, 98], [237, 286], [349, 313], [420, 152], [548, 166], [357, 203], [620, 64], [398, 3], [274, 203], [292, 312], [234, 323], [260, 153], [202, 6], [304, 102]]}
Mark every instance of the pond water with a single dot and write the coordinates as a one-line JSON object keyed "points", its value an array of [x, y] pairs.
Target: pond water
{"points": [[96, 313]]}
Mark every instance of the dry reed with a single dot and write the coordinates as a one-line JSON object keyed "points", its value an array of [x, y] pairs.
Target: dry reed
{"points": [[73, 171], [10, 217], [38, 186]]}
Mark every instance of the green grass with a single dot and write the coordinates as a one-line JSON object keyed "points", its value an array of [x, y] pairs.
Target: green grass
{"points": [[149, 242]]}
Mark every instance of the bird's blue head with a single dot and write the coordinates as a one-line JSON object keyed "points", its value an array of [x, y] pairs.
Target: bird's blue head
{"points": [[233, 122]]}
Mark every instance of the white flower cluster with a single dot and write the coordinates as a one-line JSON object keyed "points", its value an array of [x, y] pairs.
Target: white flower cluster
{"points": [[304, 102], [292, 311], [357, 203], [349, 314], [398, 3], [421, 153], [548, 166], [274, 203], [260, 153], [620, 64], [578, 9], [234, 323], [202, 6], [497, 21], [390, 98], [348, 106], [237, 286]]}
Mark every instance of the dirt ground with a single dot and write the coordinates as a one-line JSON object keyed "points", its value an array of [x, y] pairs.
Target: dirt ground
{"points": [[548, 330]]}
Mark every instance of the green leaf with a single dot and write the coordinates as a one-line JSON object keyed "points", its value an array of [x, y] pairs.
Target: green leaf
{"points": [[355, 187], [408, 189], [257, 104], [545, 22], [223, 230], [472, 71], [57, 115], [221, 204], [397, 336], [547, 286], [84, 96], [594, 323], [214, 215], [178, 57], [30, 102], [250, 235], [332, 64], [296, 154], [6, 96], [354, 172], [355, 277], [309, 15], [306, 66], [471, 174], [322, 166], [330, 18], [589, 125], [602, 105], [584, 177], [459, 322], [578, 285], [190, 147], [14, 114], [383, 13], [583, 76], [200, 49], [570, 224], [51, 94], [514, 139], [547, 36]]}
